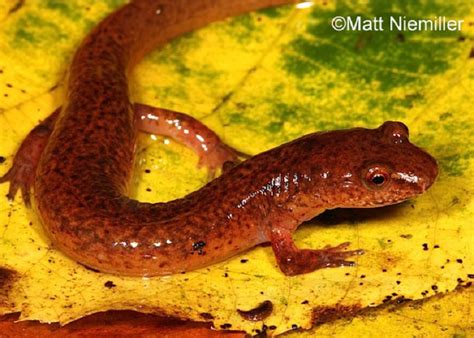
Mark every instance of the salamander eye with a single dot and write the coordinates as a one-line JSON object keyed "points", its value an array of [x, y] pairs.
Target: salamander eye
{"points": [[377, 176], [395, 132]]}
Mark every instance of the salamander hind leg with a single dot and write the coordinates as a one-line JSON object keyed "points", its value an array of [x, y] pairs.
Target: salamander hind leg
{"points": [[22, 173], [293, 261], [212, 151]]}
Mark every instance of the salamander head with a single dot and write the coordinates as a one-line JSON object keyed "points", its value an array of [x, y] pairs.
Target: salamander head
{"points": [[373, 167]]}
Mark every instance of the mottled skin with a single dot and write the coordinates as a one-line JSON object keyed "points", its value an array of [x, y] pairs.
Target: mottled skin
{"points": [[84, 170]]}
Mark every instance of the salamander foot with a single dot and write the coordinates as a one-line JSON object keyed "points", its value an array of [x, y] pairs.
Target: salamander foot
{"points": [[293, 261], [22, 173]]}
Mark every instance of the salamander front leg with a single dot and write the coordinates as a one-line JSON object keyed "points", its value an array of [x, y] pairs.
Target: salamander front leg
{"points": [[22, 173], [293, 261], [212, 152]]}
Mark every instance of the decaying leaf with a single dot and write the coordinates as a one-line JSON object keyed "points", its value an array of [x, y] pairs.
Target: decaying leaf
{"points": [[258, 80]]}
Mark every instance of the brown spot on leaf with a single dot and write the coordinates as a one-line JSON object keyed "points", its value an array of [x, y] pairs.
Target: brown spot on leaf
{"points": [[206, 316], [16, 6], [7, 279], [89, 268], [109, 284], [259, 313], [54, 87], [323, 314]]}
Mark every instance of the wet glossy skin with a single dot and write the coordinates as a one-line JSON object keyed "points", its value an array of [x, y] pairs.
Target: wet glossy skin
{"points": [[83, 173]]}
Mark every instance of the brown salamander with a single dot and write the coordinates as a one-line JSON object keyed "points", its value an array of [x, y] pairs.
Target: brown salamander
{"points": [[79, 160]]}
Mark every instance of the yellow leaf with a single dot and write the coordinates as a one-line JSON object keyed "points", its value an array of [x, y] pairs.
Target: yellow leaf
{"points": [[438, 316], [259, 80]]}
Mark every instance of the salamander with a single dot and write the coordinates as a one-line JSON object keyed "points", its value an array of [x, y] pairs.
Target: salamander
{"points": [[78, 163]]}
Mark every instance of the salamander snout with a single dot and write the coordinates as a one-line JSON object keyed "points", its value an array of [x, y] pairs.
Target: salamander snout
{"points": [[426, 170], [420, 182]]}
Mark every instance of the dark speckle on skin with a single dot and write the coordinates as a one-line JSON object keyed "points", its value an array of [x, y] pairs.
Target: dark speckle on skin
{"points": [[425, 246], [2, 159], [199, 247]]}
